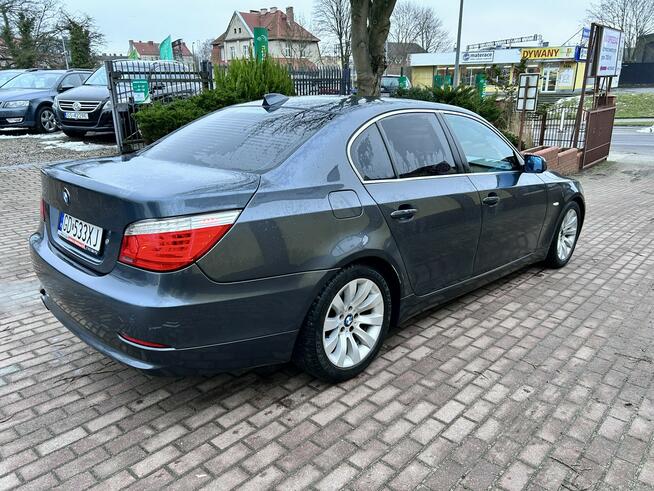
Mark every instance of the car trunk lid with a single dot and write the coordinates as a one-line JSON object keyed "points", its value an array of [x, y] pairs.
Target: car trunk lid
{"points": [[114, 192]]}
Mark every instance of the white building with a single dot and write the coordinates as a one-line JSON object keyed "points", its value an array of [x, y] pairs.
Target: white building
{"points": [[288, 41]]}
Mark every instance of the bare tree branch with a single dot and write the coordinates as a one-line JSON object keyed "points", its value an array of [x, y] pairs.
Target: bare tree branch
{"points": [[333, 20], [634, 17]]}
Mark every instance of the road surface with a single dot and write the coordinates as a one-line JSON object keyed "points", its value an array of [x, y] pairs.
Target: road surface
{"points": [[628, 139]]}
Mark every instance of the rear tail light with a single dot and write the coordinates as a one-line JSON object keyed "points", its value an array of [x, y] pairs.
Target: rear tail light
{"points": [[173, 243], [43, 211]]}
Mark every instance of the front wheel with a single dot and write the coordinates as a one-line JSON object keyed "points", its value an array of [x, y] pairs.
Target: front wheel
{"points": [[565, 237], [45, 120], [345, 326]]}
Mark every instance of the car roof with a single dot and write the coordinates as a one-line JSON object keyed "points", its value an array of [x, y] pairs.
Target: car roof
{"points": [[365, 106]]}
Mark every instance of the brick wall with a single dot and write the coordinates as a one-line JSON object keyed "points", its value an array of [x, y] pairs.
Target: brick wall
{"points": [[562, 160]]}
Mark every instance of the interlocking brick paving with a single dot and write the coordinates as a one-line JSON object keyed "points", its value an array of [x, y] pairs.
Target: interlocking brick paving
{"points": [[542, 380]]}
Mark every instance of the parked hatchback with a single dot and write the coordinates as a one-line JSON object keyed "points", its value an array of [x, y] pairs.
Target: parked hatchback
{"points": [[26, 100], [294, 229]]}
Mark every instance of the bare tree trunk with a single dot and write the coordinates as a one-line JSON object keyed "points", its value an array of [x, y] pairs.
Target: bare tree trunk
{"points": [[370, 27]]}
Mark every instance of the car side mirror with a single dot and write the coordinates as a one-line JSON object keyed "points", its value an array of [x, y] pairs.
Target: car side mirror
{"points": [[64, 88], [535, 164]]}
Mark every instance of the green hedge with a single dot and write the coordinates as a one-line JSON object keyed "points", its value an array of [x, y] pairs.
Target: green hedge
{"points": [[245, 80], [462, 96]]}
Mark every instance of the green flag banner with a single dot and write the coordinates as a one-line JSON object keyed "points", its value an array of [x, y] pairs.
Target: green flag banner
{"points": [[260, 43], [166, 49]]}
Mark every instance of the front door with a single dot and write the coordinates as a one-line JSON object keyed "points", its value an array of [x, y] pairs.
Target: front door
{"points": [[513, 202], [430, 206]]}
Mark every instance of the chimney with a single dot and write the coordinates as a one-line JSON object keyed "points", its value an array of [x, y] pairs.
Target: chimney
{"points": [[289, 15], [273, 10], [264, 11]]}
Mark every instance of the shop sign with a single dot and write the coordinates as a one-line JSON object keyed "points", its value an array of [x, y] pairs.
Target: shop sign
{"points": [[548, 53], [472, 57]]}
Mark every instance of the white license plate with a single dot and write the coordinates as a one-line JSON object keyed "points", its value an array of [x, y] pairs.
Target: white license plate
{"points": [[76, 115], [83, 234]]}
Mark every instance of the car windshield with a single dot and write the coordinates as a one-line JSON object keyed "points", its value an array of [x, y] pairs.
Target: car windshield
{"points": [[6, 75], [98, 77], [33, 80], [246, 138]]}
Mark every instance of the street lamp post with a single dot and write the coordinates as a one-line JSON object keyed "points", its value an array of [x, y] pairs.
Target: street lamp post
{"points": [[458, 46]]}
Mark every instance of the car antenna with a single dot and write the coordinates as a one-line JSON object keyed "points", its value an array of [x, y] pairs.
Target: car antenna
{"points": [[272, 101]]}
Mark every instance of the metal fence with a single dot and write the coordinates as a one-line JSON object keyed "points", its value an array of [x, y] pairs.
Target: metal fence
{"points": [[326, 80], [555, 126], [132, 83]]}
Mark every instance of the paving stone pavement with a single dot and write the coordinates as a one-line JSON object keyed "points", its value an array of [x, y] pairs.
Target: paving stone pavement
{"points": [[543, 380]]}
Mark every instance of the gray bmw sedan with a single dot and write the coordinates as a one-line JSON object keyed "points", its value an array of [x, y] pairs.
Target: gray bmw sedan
{"points": [[292, 229]]}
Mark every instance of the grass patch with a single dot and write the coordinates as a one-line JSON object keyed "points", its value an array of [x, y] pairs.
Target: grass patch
{"points": [[633, 123], [630, 105]]}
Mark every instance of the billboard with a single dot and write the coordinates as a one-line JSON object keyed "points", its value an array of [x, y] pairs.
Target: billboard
{"points": [[609, 52]]}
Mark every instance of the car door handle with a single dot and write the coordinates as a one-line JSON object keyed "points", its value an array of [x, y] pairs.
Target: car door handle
{"points": [[404, 213], [491, 200]]}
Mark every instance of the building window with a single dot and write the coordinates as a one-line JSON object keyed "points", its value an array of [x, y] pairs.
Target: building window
{"points": [[287, 51], [245, 50], [235, 30], [239, 30], [222, 54], [232, 52]]}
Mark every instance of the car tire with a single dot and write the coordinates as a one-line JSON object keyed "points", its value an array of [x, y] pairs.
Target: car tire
{"points": [[45, 120], [565, 236], [333, 344], [75, 134]]}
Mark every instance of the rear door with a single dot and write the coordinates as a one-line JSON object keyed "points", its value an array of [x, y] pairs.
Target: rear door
{"points": [[513, 202], [431, 207]]}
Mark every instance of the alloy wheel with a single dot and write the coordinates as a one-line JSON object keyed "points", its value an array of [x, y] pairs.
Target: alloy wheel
{"points": [[567, 235], [48, 121], [353, 323]]}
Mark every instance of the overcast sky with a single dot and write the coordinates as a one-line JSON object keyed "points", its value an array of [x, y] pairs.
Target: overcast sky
{"points": [[194, 20]]}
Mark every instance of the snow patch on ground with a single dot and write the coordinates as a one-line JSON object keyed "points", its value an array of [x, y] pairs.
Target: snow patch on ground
{"points": [[76, 146], [649, 129], [38, 136]]}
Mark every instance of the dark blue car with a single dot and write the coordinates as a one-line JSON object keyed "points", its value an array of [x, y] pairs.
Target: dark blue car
{"points": [[26, 100], [295, 229]]}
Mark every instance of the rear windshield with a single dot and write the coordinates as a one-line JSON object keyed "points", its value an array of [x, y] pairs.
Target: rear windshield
{"points": [[240, 138]]}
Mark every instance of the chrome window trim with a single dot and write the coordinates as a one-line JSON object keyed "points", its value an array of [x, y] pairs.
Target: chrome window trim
{"points": [[395, 112]]}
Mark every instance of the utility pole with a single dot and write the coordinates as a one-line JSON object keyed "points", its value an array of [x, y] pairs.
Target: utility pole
{"points": [[63, 45], [458, 47]]}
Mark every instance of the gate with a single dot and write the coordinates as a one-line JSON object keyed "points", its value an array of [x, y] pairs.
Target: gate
{"points": [[325, 80], [134, 83], [554, 127], [599, 128]]}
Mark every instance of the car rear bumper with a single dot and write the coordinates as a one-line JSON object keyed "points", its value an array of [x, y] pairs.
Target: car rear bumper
{"points": [[209, 327]]}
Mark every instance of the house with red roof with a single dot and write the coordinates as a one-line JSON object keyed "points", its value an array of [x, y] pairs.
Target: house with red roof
{"points": [[288, 41], [149, 50]]}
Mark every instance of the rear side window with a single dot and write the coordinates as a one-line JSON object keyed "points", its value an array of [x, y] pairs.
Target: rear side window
{"points": [[370, 156], [417, 145], [246, 138]]}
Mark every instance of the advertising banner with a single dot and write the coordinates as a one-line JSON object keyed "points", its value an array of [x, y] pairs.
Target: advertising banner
{"points": [[609, 59], [472, 57], [260, 43]]}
